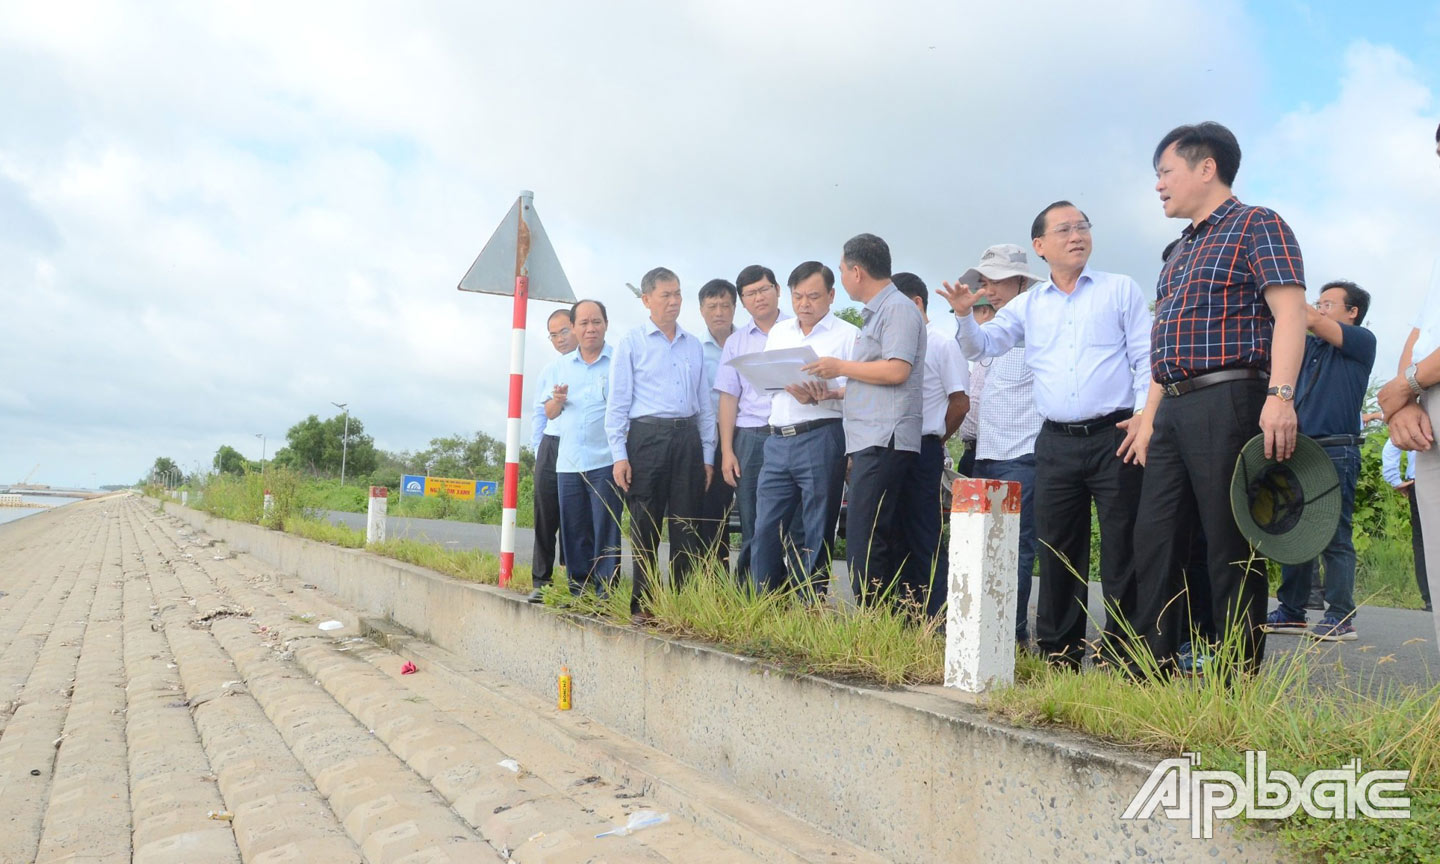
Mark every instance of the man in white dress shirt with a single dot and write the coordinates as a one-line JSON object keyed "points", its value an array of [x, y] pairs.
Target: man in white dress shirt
{"points": [[803, 477], [1086, 336], [926, 572]]}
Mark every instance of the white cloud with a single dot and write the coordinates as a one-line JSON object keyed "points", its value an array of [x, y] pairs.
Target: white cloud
{"points": [[220, 218]]}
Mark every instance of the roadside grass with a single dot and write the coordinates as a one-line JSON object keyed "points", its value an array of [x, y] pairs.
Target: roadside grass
{"points": [[472, 565], [1385, 574], [1302, 722], [793, 629], [325, 532]]}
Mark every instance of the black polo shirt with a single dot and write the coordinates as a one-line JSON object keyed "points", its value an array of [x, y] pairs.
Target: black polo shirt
{"points": [[1331, 389]]}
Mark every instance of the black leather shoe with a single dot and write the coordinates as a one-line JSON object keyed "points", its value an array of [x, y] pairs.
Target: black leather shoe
{"points": [[536, 596]]}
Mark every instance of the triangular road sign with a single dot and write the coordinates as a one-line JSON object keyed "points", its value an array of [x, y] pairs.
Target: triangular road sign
{"points": [[519, 247]]}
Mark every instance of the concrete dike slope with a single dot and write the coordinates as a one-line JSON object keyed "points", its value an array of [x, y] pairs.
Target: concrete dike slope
{"points": [[915, 775]]}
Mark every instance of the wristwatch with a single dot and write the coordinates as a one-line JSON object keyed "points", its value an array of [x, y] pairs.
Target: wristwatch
{"points": [[1284, 391], [1412, 381]]}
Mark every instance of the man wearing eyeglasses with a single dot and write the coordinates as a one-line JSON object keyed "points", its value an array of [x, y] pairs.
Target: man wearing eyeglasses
{"points": [[545, 441], [1334, 375], [743, 412], [1086, 337]]}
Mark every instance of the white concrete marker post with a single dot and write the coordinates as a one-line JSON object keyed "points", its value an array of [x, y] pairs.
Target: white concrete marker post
{"points": [[184, 498], [269, 502], [984, 557], [375, 516]]}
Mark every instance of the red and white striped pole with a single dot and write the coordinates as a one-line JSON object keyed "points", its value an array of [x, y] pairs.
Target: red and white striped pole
{"points": [[511, 499]]}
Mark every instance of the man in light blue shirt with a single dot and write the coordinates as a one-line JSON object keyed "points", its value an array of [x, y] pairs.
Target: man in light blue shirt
{"points": [[1086, 336], [546, 443], [590, 503], [717, 309], [660, 414]]}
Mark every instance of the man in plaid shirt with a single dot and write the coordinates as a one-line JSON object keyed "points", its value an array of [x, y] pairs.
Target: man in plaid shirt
{"points": [[1226, 350]]}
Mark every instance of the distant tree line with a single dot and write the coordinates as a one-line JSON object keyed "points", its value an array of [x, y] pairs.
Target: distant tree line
{"points": [[314, 446]]}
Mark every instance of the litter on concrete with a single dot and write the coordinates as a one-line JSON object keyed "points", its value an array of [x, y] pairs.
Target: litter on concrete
{"points": [[330, 625], [638, 821]]}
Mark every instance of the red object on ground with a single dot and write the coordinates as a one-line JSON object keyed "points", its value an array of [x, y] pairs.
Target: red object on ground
{"points": [[408, 668]]}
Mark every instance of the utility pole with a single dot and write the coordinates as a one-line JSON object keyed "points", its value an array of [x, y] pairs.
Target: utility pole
{"points": [[344, 438], [261, 436]]}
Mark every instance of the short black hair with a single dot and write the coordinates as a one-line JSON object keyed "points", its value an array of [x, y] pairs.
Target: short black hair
{"points": [[870, 253], [659, 274], [1356, 298], [810, 268], [717, 288], [1437, 134], [1199, 141], [604, 315], [1037, 228], [754, 273], [568, 313], [912, 286]]}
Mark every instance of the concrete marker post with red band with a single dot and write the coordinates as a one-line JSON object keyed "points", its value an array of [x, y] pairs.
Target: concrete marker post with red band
{"points": [[269, 503], [984, 556], [375, 515]]}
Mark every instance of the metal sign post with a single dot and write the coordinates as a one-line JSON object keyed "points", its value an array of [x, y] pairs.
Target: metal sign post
{"points": [[518, 261]]}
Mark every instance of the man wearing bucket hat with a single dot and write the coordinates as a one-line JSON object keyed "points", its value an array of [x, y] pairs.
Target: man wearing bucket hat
{"points": [[1339, 355], [1086, 336], [1008, 420], [1225, 354]]}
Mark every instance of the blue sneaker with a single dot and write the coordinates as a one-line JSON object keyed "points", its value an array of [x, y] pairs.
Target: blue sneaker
{"points": [[1189, 662], [1331, 630], [1279, 621]]}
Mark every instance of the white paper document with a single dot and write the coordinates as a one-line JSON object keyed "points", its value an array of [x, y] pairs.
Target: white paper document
{"points": [[772, 371]]}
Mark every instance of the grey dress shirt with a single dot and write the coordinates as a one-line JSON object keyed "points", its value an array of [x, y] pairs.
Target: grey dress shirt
{"points": [[876, 415]]}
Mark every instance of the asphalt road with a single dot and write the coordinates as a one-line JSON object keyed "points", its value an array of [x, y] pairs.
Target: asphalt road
{"points": [[1396, 646]]}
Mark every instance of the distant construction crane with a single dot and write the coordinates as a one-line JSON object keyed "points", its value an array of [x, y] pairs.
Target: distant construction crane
{"points": [[26, 481]]}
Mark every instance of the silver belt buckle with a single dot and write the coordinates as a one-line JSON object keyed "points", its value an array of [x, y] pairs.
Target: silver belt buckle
{"points": [[788, 431]]}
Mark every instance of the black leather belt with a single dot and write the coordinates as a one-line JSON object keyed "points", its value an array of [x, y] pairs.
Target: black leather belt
{"points": [[1341, 440], [1180, 388], [1089, 427], [758, 430], [801, 428], [666, 422]]}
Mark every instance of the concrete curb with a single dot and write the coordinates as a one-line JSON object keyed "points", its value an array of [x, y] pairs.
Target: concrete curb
{"points": [[914, 775]]}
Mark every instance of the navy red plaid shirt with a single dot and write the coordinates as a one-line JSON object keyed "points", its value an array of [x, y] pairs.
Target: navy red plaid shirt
{"points": [[1210, 310]]}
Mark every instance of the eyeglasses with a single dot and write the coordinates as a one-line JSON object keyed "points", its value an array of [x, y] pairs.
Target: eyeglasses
{"points": [[752, 293], [1068, 229], [561, 334], [1327, 305]]}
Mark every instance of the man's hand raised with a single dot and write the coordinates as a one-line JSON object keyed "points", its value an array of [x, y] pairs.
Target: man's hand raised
{"points": [[961, 297]]}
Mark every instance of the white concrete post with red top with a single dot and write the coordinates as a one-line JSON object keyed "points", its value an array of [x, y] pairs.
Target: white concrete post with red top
{"points": [[984, 557], [269, 503], [375, 516]]}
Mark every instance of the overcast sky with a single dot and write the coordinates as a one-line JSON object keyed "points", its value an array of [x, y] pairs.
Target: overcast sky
{"points": [[216, 219]]}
